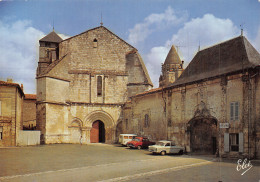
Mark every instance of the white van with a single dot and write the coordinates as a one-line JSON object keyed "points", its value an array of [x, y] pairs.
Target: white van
{"points": [[124, 138]]}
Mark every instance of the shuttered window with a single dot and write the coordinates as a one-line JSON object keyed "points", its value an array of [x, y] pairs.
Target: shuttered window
{"points": [[226, 142], [234, 111], [99, 86]]}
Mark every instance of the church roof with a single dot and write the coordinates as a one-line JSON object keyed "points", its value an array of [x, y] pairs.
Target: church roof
{"points": [[51, 37], [172, 57], [227, 57], [98, 28]]}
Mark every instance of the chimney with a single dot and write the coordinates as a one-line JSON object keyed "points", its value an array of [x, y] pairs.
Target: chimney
{"points": [[22, 87], [9, 80]]}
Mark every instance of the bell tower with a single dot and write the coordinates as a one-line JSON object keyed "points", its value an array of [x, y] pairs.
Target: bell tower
{"points": [[48, 51], [172, 68]]}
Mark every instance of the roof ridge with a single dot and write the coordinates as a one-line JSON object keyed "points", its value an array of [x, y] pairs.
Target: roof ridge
{"points": [[216, 44]]}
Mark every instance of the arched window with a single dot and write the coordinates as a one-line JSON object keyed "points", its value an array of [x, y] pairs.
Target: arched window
{"points": [[146, 121], [99, 86], [95, 43]]}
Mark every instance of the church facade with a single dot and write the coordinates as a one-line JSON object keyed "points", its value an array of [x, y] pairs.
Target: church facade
{"points": [[82, 84]]}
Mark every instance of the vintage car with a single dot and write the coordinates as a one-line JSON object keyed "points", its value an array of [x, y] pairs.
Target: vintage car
{"points": [[166, 147], [124, 138], [140, 142]]}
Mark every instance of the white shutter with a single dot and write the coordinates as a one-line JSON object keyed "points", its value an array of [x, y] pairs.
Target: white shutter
{"points": [[241, 142], [236, 111], [226, 142]]}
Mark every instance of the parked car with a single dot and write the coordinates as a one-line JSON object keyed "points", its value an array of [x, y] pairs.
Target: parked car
{"points": [[140, 142], [166, 147], [124, 138]]}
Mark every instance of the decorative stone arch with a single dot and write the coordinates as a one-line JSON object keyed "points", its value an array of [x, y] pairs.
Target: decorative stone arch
{"points": [[75, 130], [76, 122], [106, 119], [203, 131]]}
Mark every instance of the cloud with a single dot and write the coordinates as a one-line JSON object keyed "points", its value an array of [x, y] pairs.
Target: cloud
{"points": [[202, 32], [18, 53], [205, 31], [256, 41], [153, 23]]}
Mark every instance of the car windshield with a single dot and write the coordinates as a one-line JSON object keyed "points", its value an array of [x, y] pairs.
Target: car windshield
{"points": [[136, 139], [160, 143]]}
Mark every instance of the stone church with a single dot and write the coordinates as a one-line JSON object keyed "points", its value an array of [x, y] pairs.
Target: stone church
{"points": [[94, 86], [82, 84]]}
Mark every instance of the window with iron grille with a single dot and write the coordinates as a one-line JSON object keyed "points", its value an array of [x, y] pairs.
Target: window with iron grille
{"points": [[234, 111], [99, 86]]}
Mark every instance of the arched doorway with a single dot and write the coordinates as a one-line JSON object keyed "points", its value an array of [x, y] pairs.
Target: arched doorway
{"points": [[203, 135], [98, 132]]}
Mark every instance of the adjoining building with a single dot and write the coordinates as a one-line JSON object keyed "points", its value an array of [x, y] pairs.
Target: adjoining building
{"points": [[29, 112], [11, 99], [82, 84], [213, 106]]}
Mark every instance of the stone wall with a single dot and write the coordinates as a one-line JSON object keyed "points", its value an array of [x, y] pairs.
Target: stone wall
{"points": [[11, 114], [29, 113]]}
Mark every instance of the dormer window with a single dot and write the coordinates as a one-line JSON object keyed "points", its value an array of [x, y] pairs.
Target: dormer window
{"points": [[95, 43]]}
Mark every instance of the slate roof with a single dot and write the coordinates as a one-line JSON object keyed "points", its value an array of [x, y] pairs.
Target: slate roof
{"points": [[227, 57], [172, 57], [52, 37]]}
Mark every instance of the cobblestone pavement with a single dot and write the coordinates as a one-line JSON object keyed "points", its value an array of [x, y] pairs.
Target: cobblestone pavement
{"points": [[101, 162]]}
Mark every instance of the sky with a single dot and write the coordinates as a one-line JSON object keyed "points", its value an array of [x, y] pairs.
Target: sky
{"points": [[151, 26]]}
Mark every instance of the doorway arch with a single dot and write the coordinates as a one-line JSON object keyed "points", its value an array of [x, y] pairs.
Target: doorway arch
{"points": [[104, 120], [203, 135], [98, 132]]}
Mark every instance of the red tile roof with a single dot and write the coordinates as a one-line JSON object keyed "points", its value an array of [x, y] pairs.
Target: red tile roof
{"points": [[30, 96], [149, 92]]}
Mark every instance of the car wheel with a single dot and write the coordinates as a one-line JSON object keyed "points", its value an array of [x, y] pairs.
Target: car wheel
{"points": [[139, 147], [181, 152], [163, 152]]}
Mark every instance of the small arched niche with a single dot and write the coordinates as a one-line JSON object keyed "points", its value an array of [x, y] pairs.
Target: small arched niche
{"points": [[95, 43]]}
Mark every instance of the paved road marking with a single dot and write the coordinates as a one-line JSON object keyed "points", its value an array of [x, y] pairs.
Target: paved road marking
{"points": [[156, 172], [72, 169]]}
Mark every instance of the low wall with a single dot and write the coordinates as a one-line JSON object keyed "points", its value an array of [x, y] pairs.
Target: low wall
{"points": [[28, 138]]}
